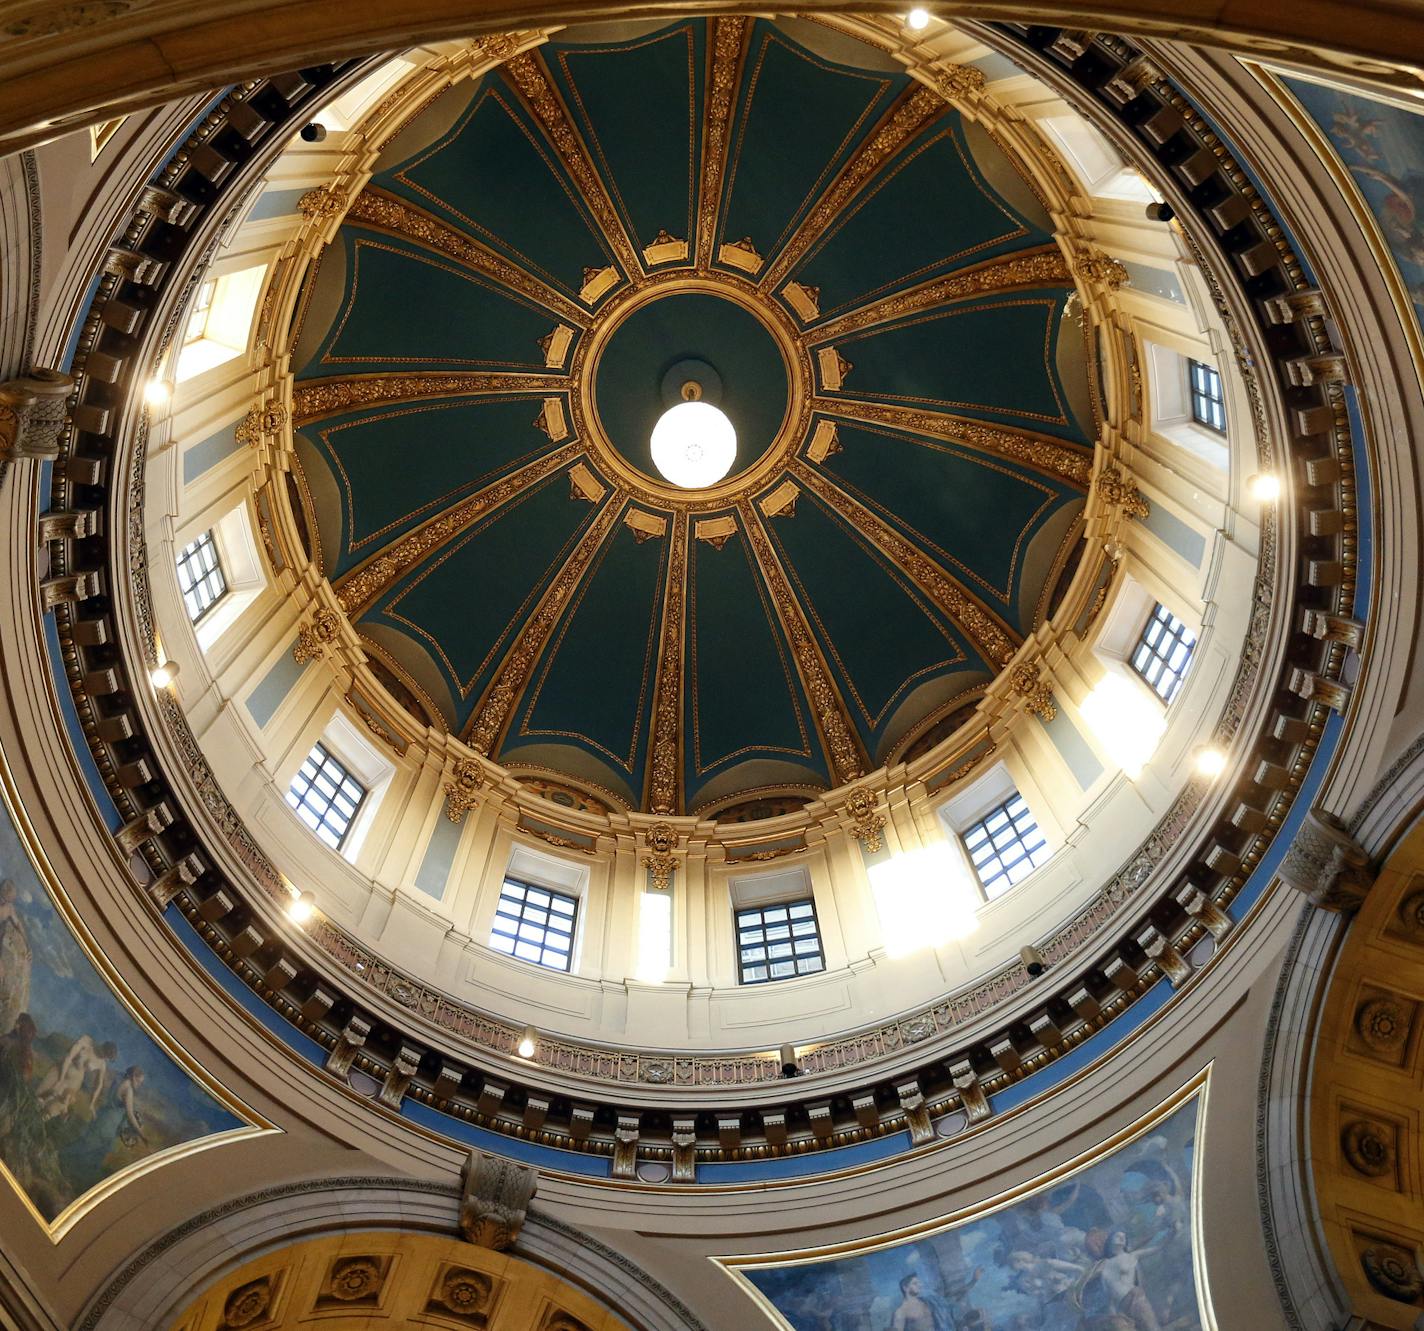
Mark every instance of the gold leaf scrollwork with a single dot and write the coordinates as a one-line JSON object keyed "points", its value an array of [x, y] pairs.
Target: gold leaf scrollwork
{"points": [[662, 841], [1037, 693], [1121, 493], [313, 639], [462, 790], [264, 419], [320, 204], [1102, 270], [955, 82], [866, 821]]}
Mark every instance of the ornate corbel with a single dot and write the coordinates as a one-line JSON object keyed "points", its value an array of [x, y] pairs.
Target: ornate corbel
{"points": [[1098, 269], [320, 204], [1327, 627], [625, 1147], [34, 409], [972, 1098], [494, 1199], [313, 639], [1121, 493], [1037, 693], [462, 790], [866, 821], [263, 419], [684, 1150], [1327, 864], [348, 1043], [917, 1113], [398, 1079], [661, 861], [957, 83]]}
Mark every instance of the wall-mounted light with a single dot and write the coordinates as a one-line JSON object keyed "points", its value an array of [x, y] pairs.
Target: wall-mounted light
{"points": [[917, 20], [1033, 961], [303, 907], [1264, 487], [790, 1066], [158, 392], [313, 132], [528, 1043], [1209, 761], [163, 674]]}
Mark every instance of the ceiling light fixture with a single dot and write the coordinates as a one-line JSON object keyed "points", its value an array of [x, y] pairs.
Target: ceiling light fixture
{"points": [[158, 392], [918, 19], [1209, 761], [528, 1043], [1264, 487], [303, 907], [162, 675], [694, 444]]}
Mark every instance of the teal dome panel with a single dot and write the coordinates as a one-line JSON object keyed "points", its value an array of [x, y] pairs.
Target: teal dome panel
{"points": [[949, 500], [880, 636], [466, 605], [655, 83], [926, 213], [398, 466], [455, 319], [744, 700], [597, 674], [991, 358], [801, 117], [535, 217]]}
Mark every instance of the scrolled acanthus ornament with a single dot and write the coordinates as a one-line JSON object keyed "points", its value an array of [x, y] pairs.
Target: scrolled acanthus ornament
{"points": [[867, 822], [1121, 493], [264, 419], [320, 204], [662, 862], [1037, 693], [495, 1196], [313, 639], [1102, 270], [462, 790]]}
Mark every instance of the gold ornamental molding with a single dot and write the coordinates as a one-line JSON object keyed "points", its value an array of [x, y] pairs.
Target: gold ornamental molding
{"points": [[665, 762], [867, 822], [463, 788], [492, 715], [661, 859], [1044, 266], [1120, 492], [915, 109], [313, 639], [1043, 453], [992, 635], [531, 78], [832, 717], [728, 45], [1035, 692], [368, 581], [315, 398], [385, 212]]}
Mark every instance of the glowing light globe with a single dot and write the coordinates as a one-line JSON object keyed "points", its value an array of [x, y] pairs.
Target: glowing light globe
{"points": [[694, 445]]}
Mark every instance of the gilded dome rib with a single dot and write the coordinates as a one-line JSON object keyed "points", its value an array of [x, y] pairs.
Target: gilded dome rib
{"points": [[315, 399], [728, 54]]}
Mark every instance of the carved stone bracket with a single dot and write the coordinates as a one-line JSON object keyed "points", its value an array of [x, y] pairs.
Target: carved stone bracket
{"points": [[462, 790], [1102, 270], [1037, 693], [1121, 493], [352, 1038], [313, 639], [662, 860], [917, 1113], [34, 409], [1327, 864], [684, 1150], [262, 420], [866, 822], [1331, 693], [495, 1196], [1325, 627], [625, 1147]]}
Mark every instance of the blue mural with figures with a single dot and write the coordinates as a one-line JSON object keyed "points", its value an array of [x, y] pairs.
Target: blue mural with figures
{"points": [[1382, 146], [1109, 1248], [85, 1091]]}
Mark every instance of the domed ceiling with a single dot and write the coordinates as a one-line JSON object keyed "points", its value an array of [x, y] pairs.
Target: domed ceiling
{"points": [[853, 271]]}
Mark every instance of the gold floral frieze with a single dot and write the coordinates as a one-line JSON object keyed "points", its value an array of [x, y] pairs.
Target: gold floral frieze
{"points": [[664, 783], [316, 398], [728, 39]]}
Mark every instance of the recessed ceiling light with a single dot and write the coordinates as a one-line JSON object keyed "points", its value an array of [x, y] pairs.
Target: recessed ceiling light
{"points": [[694, 445]]}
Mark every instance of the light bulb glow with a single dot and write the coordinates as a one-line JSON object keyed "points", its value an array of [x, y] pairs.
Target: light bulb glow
{"points": [[1209, 761], [303, 907], [528, 1043], [158, 392], [918, 19], [694, 445], [1127, 721], [924, 899], [1264, 487], [161, 676]]}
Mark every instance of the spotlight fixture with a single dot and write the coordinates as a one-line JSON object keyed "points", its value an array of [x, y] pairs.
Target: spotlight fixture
{"points": [[303, 907], [528, 1043], [313, 132], [158, 392], [789, 1066], [1209, 761], [1264, 487], [162, 675], [1033, 961], [1160, 212], [918, 20]]}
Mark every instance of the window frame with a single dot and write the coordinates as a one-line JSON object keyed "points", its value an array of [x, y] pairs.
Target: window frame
{"points": [[555, 894], [760, 909], [1177, 629], [1037, 855], [208, 539], [347, 775], [1212, 392]]}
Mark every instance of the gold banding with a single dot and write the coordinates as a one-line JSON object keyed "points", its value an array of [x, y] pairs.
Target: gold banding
{"points": [[665, 748], [316, 398], [728, 42]]}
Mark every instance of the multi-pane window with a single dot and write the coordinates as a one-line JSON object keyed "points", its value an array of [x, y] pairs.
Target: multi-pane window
{"points": [[777, 942], [197, 324], [1163, 652], [1005, 846], [326, 796], [1208, 399], [200, 576], [535, 924]]}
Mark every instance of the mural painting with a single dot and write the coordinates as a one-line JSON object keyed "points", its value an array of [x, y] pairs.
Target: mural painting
{"points": [[1109, 1248], [85, 1091], [1382, 146]]}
